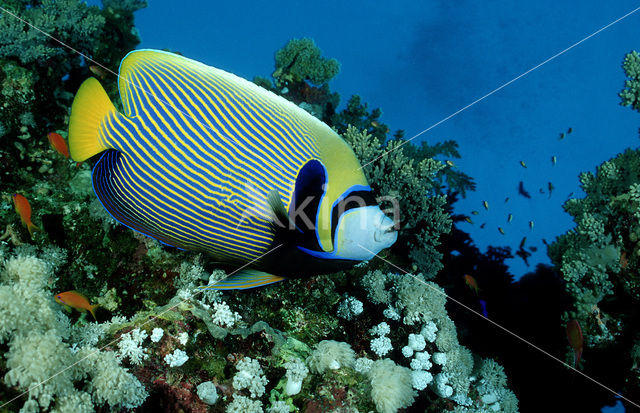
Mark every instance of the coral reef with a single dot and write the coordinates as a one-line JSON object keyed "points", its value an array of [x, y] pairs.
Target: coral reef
{"points": [[39, 76], [599, 258], [368, 339]]}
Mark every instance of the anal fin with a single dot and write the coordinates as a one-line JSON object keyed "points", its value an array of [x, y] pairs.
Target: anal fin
{"points": [[245, 279]]}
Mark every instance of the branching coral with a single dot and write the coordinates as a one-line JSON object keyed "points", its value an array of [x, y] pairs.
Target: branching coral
{"points": [[630, 95], [599, 257], [300, 60], [406, 187]]}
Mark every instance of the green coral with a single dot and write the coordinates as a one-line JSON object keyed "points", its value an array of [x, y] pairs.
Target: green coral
{"points": [[599, 258], [406, 186], [39, 75], [630, 95], [69, 21], [301, 60]]}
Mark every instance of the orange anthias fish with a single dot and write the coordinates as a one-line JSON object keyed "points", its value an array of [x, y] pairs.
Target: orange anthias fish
{"points": [[471, 282], [624, 261], [24, 210], [98, 71], [76, 300], [574, 336], [57, 142]]}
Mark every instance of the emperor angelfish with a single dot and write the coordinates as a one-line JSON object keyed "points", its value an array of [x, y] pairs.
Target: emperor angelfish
{"points": [[204, 160]]}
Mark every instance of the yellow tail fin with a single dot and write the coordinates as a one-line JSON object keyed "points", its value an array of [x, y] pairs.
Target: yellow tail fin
{"points": [[92, 310], [32, 228], [90, 107]]}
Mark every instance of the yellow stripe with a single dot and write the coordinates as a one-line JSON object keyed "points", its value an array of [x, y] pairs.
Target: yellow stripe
{"points": [[279, 114], [155, 188], [176, 136], [166, 220], [159, 142], [234, 168], [225, 134]]}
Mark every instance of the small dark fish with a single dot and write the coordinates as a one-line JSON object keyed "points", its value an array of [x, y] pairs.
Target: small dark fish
{"points": [[522, 242], [544, 241], [551, 188], [562, 136], [531, 225], [483, 308], [522, 191], [484, 224], [533, 249], [524, 165], [509, 217], [485, 204], [570, 130], [554, 159], [522, 253], [450, 163], [501, 230], [506, 200], [475, 212], [468, 220]]}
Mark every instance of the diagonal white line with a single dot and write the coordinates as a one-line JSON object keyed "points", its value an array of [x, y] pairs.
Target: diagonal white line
{"points": [[146, 92], [461, 304], [384, 154], [198, 291], [504, 85]]}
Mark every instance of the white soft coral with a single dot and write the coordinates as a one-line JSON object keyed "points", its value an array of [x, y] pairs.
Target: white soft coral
{"points": [[250, 376], [223, 316], [130, 345]]}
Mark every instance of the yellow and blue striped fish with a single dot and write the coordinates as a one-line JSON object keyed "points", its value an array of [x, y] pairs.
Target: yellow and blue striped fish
{"points": [[204, 160]]}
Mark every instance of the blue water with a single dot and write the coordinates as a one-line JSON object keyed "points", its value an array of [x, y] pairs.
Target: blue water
{"points": [[422, 61]]}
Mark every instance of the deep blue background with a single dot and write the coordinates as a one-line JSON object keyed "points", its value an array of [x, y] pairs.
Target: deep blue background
{"points": [[422, 61]]}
